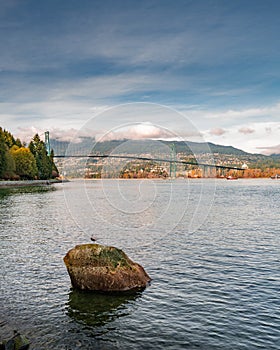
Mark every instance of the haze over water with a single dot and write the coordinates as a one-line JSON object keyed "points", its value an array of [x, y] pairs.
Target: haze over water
{"points": [[211, 247]]}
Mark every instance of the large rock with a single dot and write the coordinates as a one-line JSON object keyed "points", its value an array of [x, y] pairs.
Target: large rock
{"points": [[102, 268]]}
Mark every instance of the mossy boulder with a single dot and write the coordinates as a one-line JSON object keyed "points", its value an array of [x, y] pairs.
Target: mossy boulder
{"points": [[103, 268]]}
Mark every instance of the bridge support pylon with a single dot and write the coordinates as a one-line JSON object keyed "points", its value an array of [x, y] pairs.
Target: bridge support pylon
{"points": [[173, 167], [47, 142]]}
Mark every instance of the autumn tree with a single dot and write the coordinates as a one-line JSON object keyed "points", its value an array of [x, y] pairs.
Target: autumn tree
{"points": [[25, 162], [16, 160]]}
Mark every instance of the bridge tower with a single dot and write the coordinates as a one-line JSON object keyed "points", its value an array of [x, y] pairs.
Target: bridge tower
{"points": [[47, 142], [172, 168]]}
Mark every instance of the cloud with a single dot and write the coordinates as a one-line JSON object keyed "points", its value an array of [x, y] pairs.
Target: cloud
{"points": [[270, 150], [133, 132], [25, 134], [64, 117], [71, 135], [181, 34], [137, 132], [245, 130], [254, 142], [217, 131], [68, 135], [268, 130], [246, 114]]}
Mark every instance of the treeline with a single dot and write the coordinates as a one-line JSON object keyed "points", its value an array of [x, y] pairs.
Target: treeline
{"points": [[21, 162]]}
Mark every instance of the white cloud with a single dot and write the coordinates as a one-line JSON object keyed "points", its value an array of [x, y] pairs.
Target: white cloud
{"points": [[217, 131], [268, 130], [271, 112], [245, 130], [26, 133], [137, 132], [69, 135], [254, 142], [270, 150], [71, 106]]}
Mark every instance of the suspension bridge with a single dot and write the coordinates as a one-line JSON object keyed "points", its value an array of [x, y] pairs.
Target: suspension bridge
{"points": [[172, 160]]}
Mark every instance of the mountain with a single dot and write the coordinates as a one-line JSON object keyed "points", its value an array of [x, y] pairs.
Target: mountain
{"points": [[201, 147], [205, 153], [226, 155], [88, 144]]}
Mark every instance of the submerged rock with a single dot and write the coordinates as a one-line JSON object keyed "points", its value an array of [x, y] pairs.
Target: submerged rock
{"points": [[17, 342], [103, 268]]}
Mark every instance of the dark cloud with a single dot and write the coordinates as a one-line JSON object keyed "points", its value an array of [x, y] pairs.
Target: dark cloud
{"points": [[59, 59]]}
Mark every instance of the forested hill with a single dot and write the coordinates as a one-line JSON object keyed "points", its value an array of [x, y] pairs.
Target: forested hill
{"points": [[106, 147], [202, 147], [21, 162], [227, 155]]}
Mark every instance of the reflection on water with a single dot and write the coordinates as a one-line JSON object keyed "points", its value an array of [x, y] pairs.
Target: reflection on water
{"points": [[97, 309], [25, 190], [4, 192], [216, 288]]}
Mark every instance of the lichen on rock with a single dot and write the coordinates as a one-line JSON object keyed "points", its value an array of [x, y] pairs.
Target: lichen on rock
{"points": [[104, 268]]}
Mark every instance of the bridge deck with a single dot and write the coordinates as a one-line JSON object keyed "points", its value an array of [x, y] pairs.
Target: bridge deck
{"points": [[177, 161]]}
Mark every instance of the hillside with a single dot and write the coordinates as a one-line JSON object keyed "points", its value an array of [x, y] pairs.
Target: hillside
{"points": [[88, 145], [209, 153], [187, 147]]}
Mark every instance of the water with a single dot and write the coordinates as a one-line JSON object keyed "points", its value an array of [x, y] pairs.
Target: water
{"points": [[211, 247]]}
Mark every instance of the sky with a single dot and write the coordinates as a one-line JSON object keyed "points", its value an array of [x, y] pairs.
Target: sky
{"points": [[142, 69]]}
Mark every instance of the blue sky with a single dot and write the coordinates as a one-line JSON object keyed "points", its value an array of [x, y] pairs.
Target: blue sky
{"points": [[64, 63]]}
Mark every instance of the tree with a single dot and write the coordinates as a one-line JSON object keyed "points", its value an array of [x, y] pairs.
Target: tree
{"points": [[18, 142], [3, 156], [18, 160], [9, 138], [55, 172], [10, 166], [43, 161], [25, 162]]}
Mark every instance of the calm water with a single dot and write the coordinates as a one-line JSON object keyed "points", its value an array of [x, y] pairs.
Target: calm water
{"points": [[211, 247]]}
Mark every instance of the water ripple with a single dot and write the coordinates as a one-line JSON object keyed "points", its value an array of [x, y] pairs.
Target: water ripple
{"points": [[216, 288]]}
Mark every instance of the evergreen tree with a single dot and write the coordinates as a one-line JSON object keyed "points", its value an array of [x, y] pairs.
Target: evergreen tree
{"points": [[18, 143], [9, 138], [55, 172], [10, 166], [43, 161], [28, 163], [3, 155]]}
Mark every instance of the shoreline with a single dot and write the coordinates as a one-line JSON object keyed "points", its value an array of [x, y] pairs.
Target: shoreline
{"points": [[27, 183], [33, 183]]}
